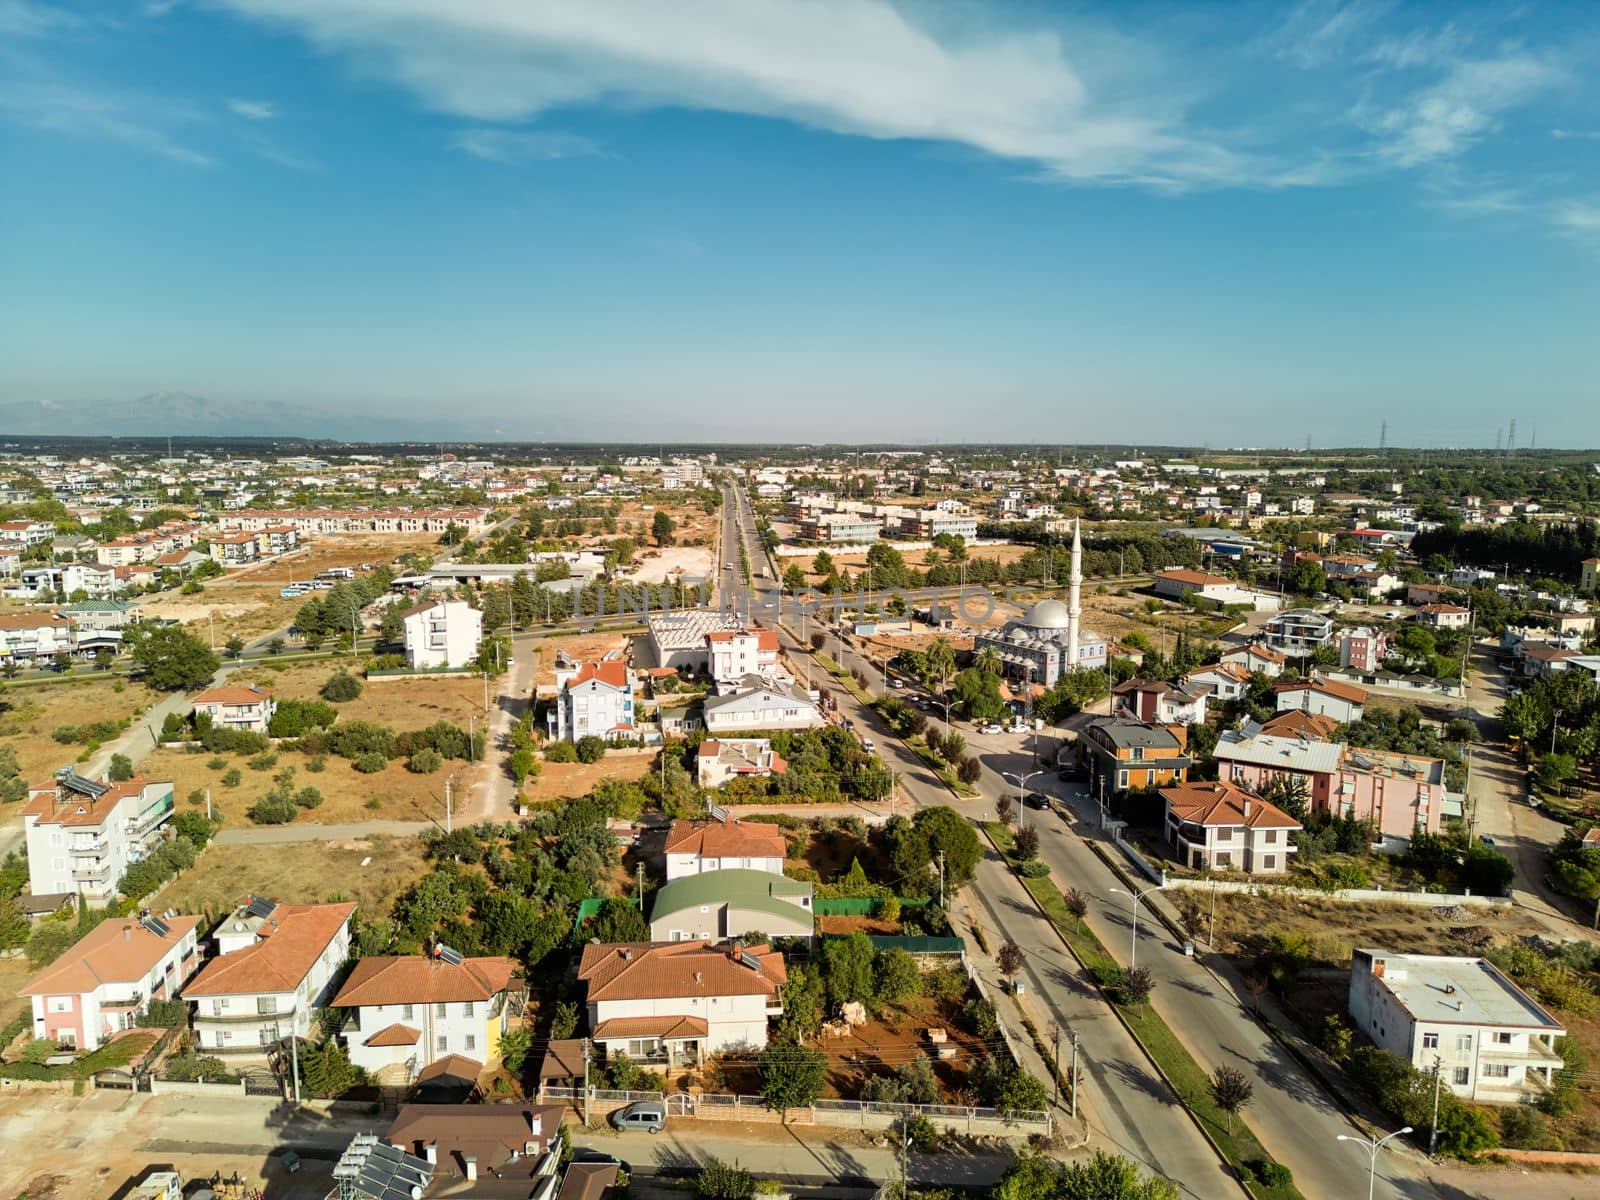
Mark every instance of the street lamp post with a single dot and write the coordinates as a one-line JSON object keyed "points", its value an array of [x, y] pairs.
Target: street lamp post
{"points": [[1372, 1145], [1133, 945], [1022, 783]]}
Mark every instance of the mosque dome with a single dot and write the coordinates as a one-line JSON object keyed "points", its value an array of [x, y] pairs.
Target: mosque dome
{"points": [[1047, 614]]}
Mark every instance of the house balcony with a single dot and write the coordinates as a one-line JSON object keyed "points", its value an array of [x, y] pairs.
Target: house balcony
{"points": [[92, 873], [96, 849], [282, 1016]]}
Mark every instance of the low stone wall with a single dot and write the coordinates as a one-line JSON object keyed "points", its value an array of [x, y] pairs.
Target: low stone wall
{"points": [[1561, 1158], [1352, 895], [195, 1087]]}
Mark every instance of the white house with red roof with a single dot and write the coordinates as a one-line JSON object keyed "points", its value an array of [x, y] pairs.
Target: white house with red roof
{"points": [[34, 635], [1216, 825], [720, 759], [442, 633], [678, 1001], [694, 847], [1344, 702], [736, 653], [276, 964], [1224, 681], [83, 833], [1258, 657], [410, 1011], [1443, 616], [98, 988], [593, 699], [237, 706]]}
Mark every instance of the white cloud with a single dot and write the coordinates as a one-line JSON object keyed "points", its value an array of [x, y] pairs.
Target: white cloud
{"points": [[1450, 116], [1585, 135], [24, 18], [85, 111], [519, 146], [863, 67], [1578, 219], [1317, 32], [253, 110], [1419, 48]]}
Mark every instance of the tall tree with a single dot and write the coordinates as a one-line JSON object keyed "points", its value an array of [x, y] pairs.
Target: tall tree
{"points": [[173, 660], [791, 1076]]}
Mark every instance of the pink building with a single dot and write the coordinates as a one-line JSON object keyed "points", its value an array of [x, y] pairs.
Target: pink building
{"points": [[1363, 649], [98, 988], [1399, 793]]}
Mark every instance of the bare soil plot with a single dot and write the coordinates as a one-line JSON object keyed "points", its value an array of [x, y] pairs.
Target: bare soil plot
{"points": [[321, 553], [30, 712], [668, 562], [694, 526], [402, 704], [298, 873], [248, 610], [14, 972], [581, 648], [392, 794], [563, 781], [860, 924]]}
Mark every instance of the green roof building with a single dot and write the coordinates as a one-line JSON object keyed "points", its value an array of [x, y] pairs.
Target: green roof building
{"points": [[720, 905]]}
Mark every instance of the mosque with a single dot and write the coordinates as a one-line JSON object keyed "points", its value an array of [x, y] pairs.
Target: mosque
{"points": [[1049, 637]]}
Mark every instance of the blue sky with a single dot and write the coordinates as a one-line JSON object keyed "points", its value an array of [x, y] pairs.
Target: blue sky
{"points": [[813, 219]]}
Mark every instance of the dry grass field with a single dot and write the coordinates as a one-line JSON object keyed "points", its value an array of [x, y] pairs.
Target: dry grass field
{"points": [[392, 794], [297, 873], [319, 554], [695, 527], [400, 703], [565, 781], [30, 712], [14, 972]]}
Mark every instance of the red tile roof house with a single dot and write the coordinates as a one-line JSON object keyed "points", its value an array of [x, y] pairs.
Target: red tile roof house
{"points": [[409, 1012], [697, 846], [98, 988], [1344, 702], [237, 707], [1219, 826], [489, 1145], [683, 1000], [719, 760], [276, 964]]}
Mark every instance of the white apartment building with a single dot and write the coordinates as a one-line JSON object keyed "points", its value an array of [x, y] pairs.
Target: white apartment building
{"points": [[594, 699], [1218, 826], [758, 704], [733, 654], [34, 635], [1491, 1042], [407, 1012], [275, 966], [99, 987], [82, 833], [443, 633]]}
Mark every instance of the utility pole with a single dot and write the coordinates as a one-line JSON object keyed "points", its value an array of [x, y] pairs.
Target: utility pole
{"points": [[294, 1056], [1055, 1047], [1074, 1075], [585, 1083], [1433, 1132], [448, 820], [208, 804]]}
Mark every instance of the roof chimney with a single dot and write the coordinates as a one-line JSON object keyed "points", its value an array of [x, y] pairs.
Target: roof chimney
{"points": [[127, 933], [1247, 808], [471, 1163]]}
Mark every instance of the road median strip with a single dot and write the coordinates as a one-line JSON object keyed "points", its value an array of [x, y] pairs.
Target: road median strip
{"points": [[1170, 1058]]}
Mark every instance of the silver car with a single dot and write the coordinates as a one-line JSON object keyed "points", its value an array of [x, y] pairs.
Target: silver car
{"points": [[648, 1116]]}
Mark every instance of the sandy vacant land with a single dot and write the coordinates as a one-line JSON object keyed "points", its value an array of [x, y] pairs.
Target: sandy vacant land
{"points": [[409, 703], [667, 563], [30, 712], [392, 794], [321, 553], [14, 972], [582, 648], [694, 526], [298, 873], [249, 610]]}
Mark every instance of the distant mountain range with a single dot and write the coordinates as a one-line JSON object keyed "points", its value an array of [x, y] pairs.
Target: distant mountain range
{"points": [[181, 414]]}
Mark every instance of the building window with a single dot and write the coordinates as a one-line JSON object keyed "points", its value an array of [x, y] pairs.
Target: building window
{"points": [[1463, 1076], [1122, 779], [441, 1043], [408, 1011], [266, 1004], [439, 1010], [472, 1041], [216, 1007], [1464, 1043], [1269, 862], [466, 1008], [1430, 1041], [1502, 1039], [1497, 1070], [1224, 859]]}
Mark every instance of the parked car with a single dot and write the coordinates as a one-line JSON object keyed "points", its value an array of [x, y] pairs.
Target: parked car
{"points": [[1019, 727], [1036, 800], [867, 745], [990, 728], [1486, 840], [647, 1115]]}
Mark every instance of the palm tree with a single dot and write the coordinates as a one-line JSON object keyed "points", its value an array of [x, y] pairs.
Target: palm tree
{"points": [[988, 660]]}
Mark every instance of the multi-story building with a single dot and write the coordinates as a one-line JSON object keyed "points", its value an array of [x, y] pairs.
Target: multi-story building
{"points": [[1218, 826], [733, 654], [1157, 702], [237, 706], [679, 1001], [1299, 632], [719, 760], [99, 987], [693, 847], [276, 964], [408, 1012], [1344, 702], [25, 636], [1487, 1038], [840, 528], [1443, 616], [1257, 658], [234, 549], [757, 704], [1363, 649], [1125, 754], [680, 640], [27, 533], [442, 633], [594, 699], [82, 834]]}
